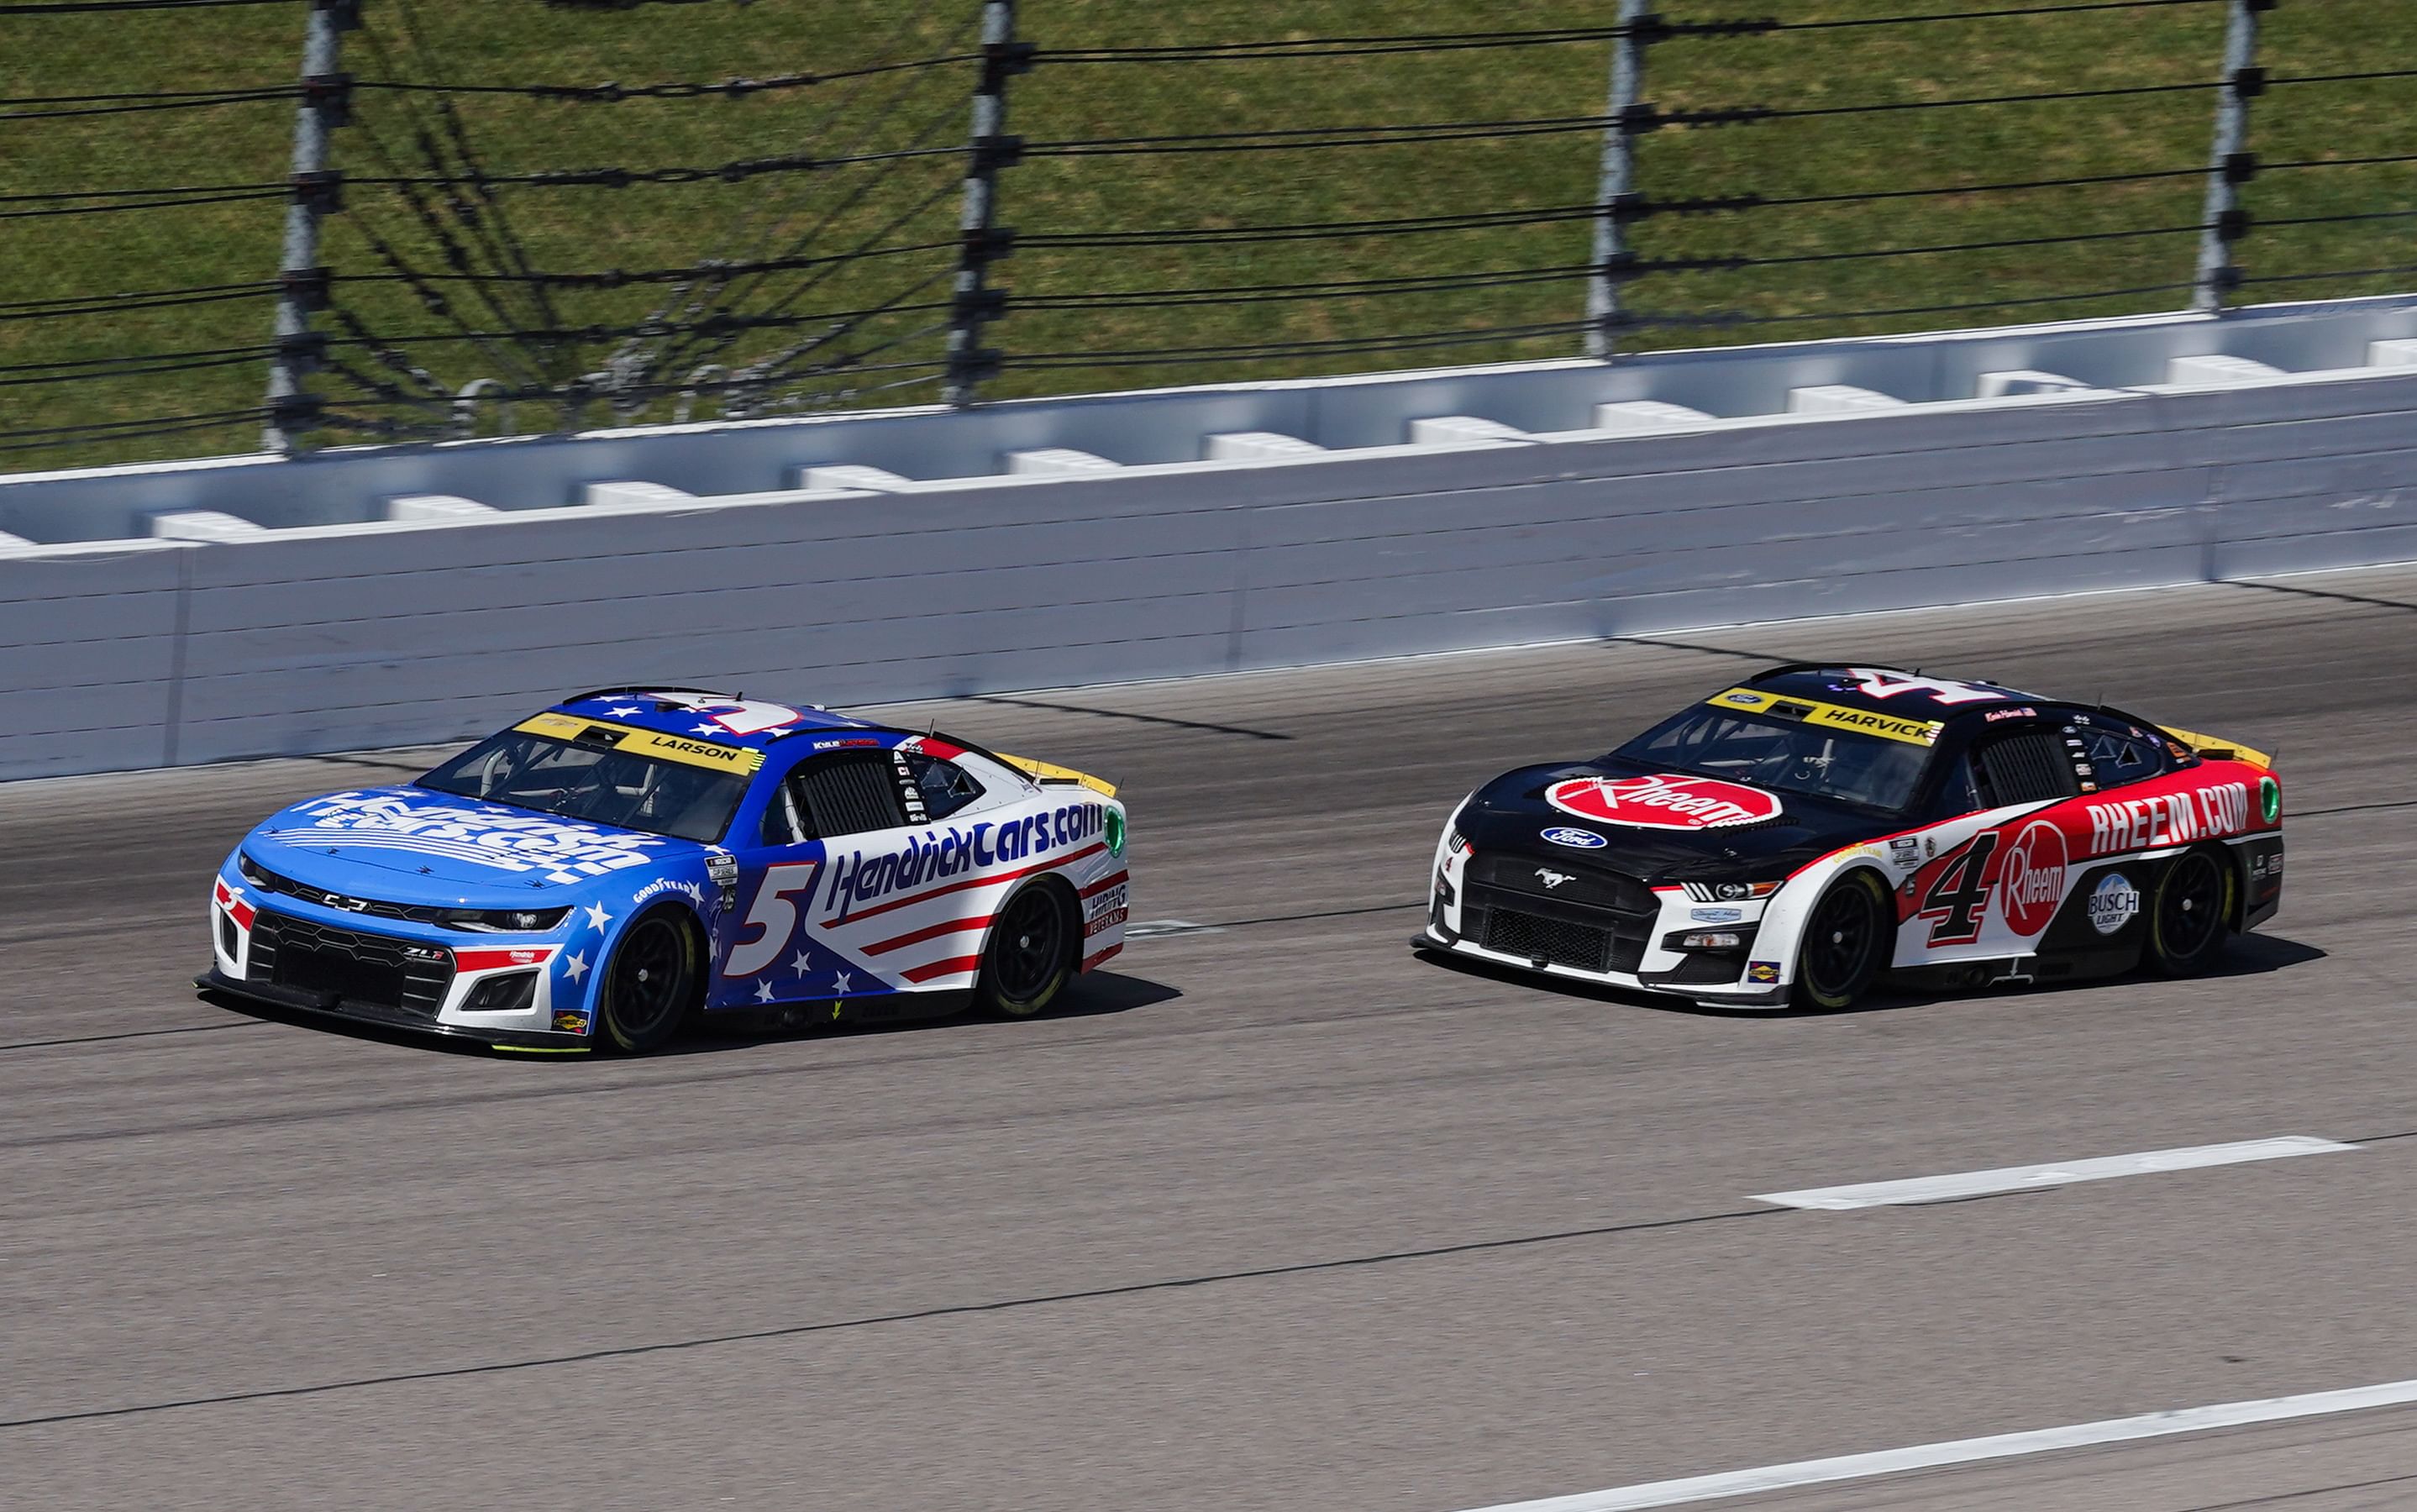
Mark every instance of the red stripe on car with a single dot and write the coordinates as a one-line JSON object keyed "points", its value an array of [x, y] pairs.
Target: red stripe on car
{"points": [[512, 955], [942, 968], [934, 932]]}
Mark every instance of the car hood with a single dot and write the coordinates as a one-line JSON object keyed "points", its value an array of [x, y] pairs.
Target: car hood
{"points": [[1660, 826], [410, 845]]}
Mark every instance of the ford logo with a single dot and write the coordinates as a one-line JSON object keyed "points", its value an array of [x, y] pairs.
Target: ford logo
{"points": [[1577, 840], [1715, 915]]}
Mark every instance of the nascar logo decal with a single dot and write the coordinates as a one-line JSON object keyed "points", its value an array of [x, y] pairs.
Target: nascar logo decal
{"points": [[1665, 801]]}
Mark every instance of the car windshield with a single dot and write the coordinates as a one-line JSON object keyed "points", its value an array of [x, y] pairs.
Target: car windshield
{"points": [[594, 783], [1784, 757]]}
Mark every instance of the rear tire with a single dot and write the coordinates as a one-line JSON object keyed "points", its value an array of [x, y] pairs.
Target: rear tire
{"points": [[648, 985], [1031, 952], [1845, 943], [2190, 915]]}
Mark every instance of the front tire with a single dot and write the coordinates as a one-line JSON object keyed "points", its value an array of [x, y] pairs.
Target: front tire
{"points": [[648, 985], [1846, 943], [2190, 915], [1031, 952]]}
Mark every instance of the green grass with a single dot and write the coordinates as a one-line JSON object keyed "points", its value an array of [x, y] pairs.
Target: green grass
{"points": [[913, 200]]}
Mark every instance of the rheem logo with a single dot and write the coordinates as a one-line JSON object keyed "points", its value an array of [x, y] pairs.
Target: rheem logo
{"points": [[2033, 882]]}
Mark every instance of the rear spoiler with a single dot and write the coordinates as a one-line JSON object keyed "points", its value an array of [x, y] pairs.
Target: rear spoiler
{"points": [[2220, 751], [1048, 775]]}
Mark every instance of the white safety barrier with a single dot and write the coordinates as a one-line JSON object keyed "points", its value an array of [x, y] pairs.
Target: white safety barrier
{"points": [[258, 607]]}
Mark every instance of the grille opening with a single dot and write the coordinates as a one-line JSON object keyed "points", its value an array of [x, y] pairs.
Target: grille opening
{"points": [[1593, 886], [509, 992], [1705, 969], [372, 971], [1559, 942], [341, 973], [226, 936]]}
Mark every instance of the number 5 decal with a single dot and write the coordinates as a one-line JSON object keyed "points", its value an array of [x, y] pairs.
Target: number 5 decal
{"points": [[773, 915]]}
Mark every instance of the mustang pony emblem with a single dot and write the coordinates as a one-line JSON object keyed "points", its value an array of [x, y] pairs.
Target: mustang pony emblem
{"points": [[1551, 878]]}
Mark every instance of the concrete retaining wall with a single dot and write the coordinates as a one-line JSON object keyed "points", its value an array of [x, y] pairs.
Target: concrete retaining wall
{"points": [[248, 636]]}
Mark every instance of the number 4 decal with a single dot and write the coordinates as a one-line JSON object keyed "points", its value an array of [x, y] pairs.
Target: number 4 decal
{"points": [[1886, 684], [1957, 894], [773, 915]]}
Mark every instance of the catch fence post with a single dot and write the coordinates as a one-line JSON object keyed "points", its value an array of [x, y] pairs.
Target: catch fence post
{"points": [[982, 240], [317, 190], [1637, 27], [2223, 221]]}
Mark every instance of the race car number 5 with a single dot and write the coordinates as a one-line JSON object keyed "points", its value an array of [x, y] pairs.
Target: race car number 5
{"points": [[772, 915]]}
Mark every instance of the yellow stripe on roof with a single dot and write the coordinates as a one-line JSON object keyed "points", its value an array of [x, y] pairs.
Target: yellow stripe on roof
{"points": [[1829, 715], [710, 754]]}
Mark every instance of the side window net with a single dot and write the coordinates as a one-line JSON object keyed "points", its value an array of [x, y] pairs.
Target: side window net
{"points": [[945, 786], [850, 794], [2030, 768]]}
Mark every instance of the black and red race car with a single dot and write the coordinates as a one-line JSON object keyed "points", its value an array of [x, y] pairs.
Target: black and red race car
{"points": [[1791, 838]]}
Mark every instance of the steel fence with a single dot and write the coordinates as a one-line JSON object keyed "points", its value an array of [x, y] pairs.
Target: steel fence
{"points": [[329, 223]]}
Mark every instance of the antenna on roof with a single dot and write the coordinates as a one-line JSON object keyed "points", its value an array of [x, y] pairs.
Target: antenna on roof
{"points": [[932, 729]]}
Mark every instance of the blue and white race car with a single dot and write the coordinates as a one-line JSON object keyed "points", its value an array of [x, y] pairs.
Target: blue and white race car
{"points": [[599, 874]]}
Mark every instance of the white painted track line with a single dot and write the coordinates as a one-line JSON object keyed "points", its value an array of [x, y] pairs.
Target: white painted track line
{"points": [[1966, 1451], [2060, 1173]]}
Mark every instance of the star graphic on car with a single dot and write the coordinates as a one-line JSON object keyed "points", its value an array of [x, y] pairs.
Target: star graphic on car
{"points": [[705, 730], [798, 965], [575, 967], [598, 917], [620, 713], [839, 983], [764, 991]]}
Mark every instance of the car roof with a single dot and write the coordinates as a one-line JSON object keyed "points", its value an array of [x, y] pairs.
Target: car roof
{"points": [[1889, 690], [727, 719]]}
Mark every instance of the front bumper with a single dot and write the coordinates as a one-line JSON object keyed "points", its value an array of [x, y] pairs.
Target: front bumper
{"points": [[1577, 919], [395, 974], [1739, 996], [384, 1016]]}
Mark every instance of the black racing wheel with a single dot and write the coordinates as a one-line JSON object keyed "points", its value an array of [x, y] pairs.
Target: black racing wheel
{"points": [[1031, 952], [648, 984], [1845, 943], [2190, 914]]}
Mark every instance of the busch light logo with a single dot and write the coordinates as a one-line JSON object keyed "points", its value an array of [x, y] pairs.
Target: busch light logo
{"points": [[1576, 840], [2112, 904]]}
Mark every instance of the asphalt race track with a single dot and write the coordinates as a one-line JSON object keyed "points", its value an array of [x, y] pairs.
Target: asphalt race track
{"points": [[1277, 1216]]}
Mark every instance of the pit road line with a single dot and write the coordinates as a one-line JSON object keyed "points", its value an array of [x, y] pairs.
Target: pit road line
{"points": [[1805, 1472], [2055, 1173]]}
